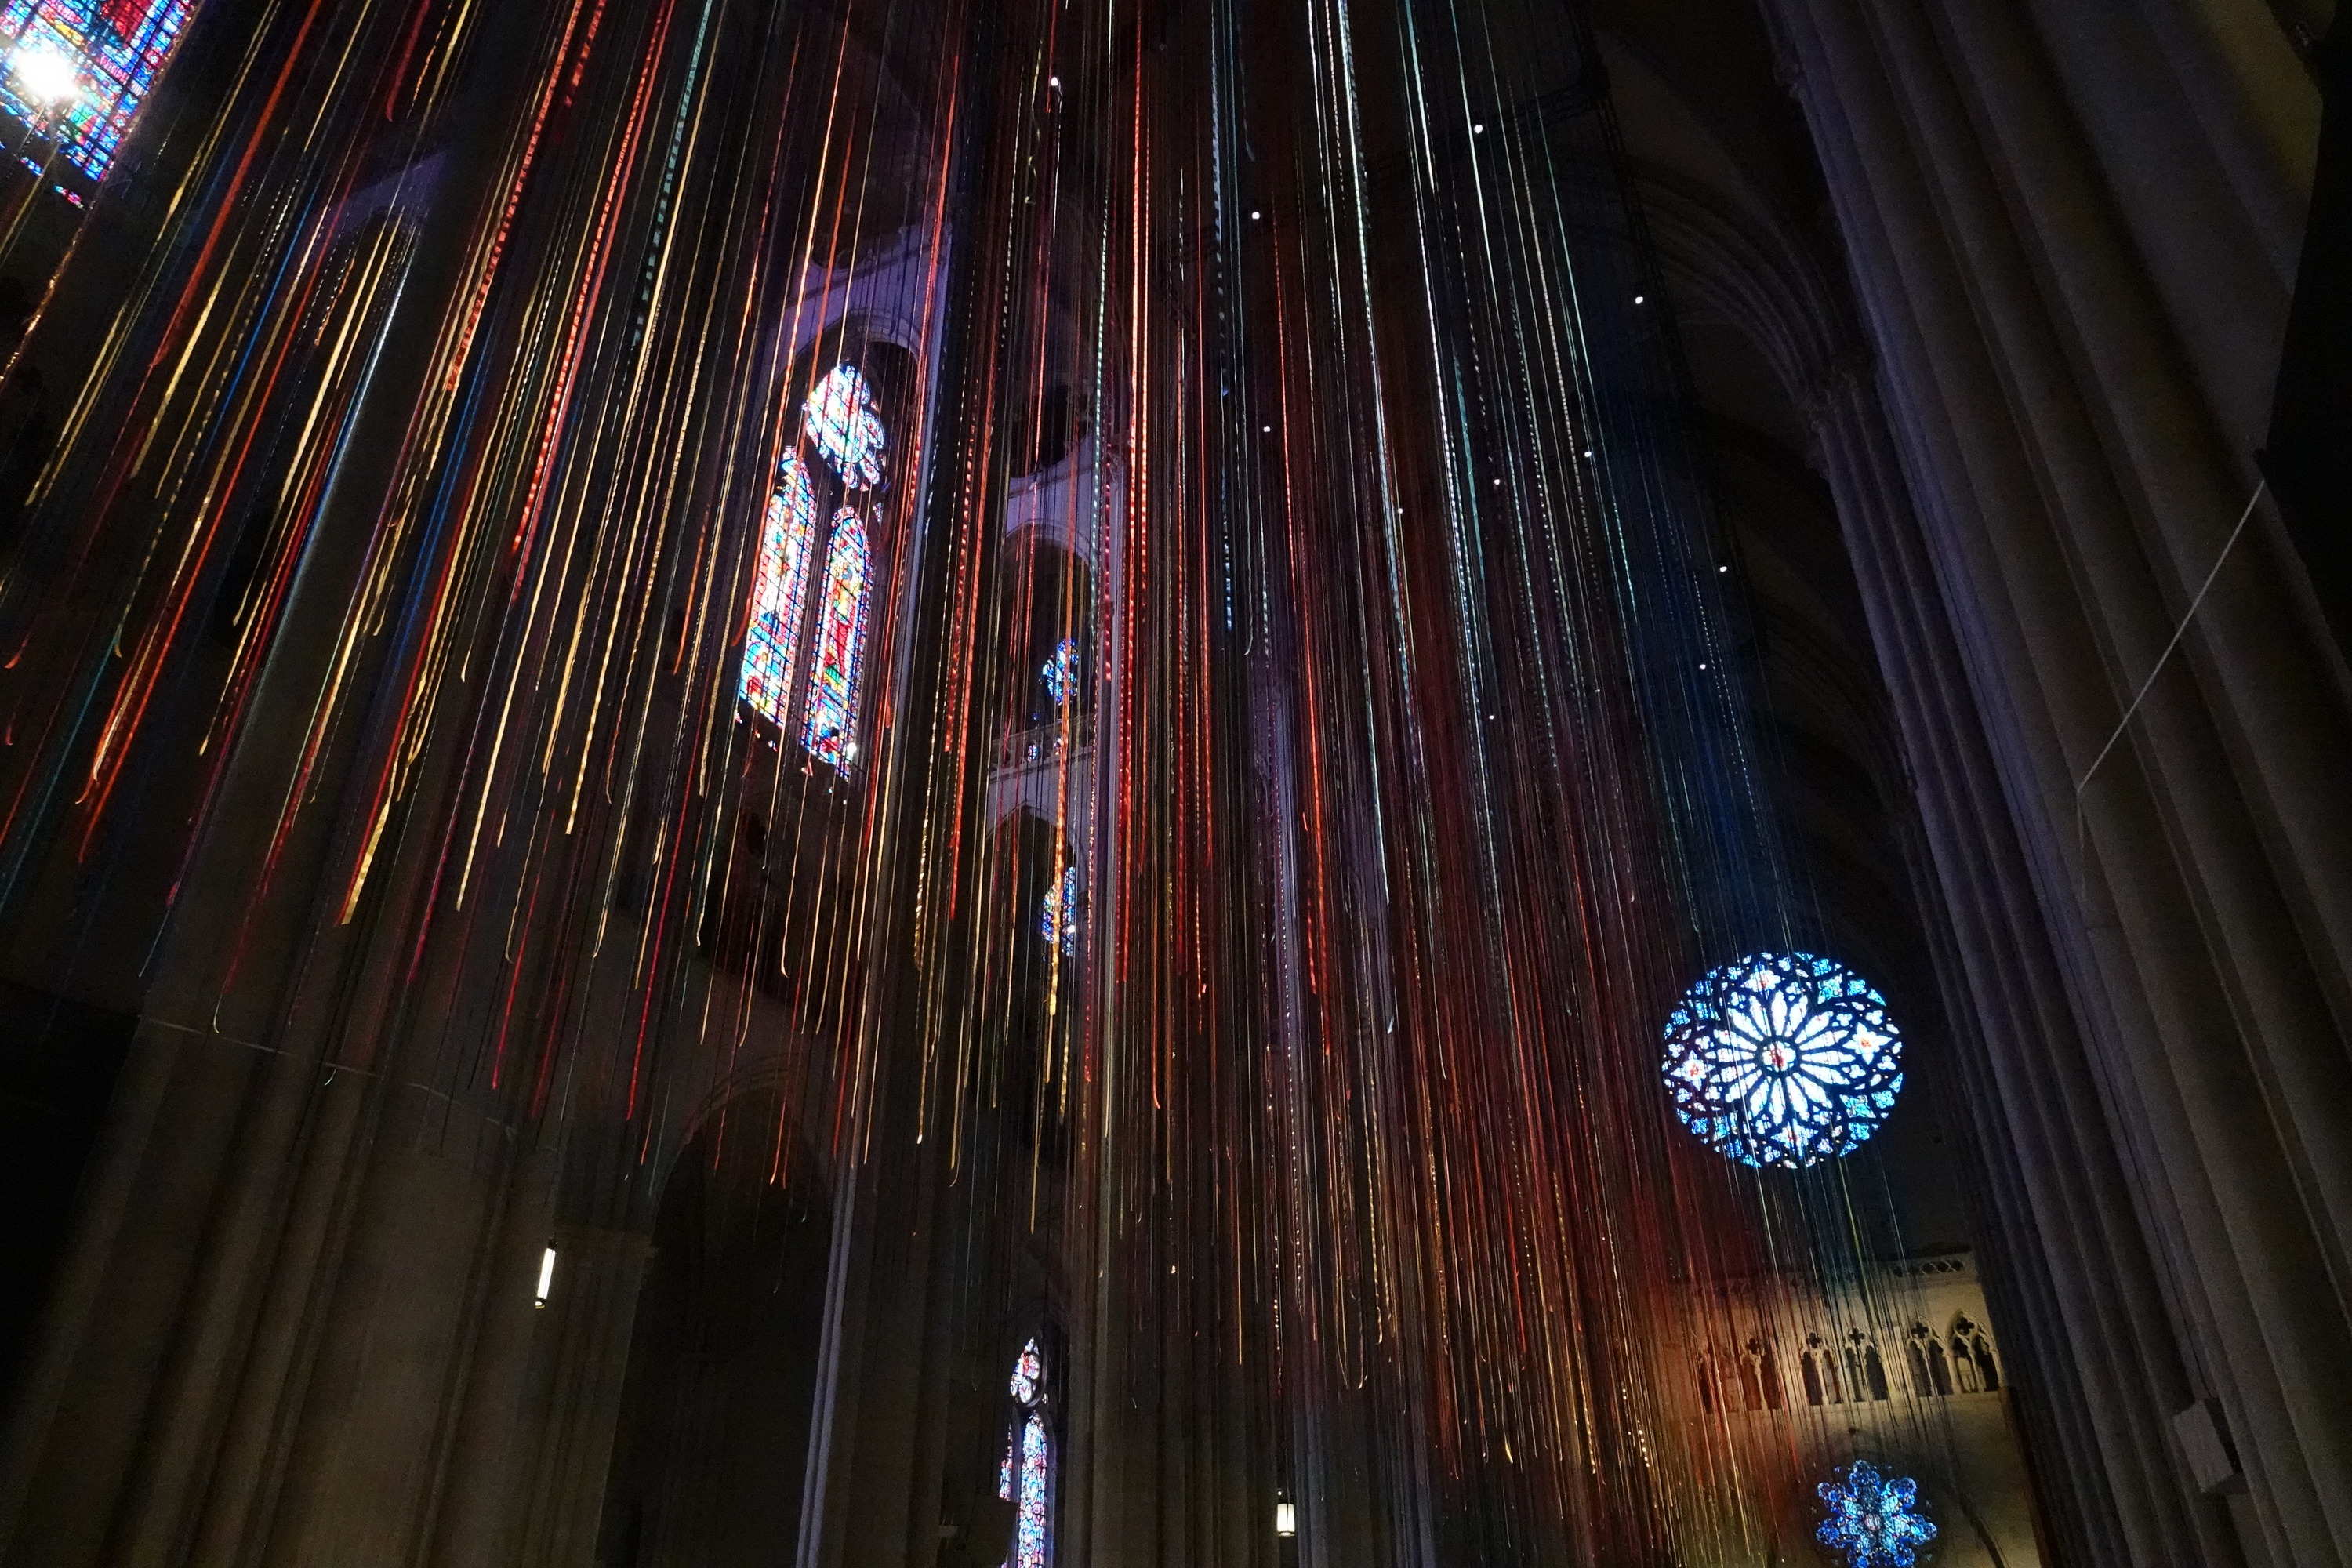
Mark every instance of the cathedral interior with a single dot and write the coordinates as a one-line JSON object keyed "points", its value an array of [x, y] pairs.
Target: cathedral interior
{"points": [[1086, 783]]}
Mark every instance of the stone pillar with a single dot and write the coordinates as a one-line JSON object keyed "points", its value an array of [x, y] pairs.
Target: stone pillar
{"points": [[2075, 445], [298, 1270], [580, 1370], [2082, 1292]]}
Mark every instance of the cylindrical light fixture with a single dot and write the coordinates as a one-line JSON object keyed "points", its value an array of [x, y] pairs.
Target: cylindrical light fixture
{"points": [[546, 1276], [1285, 1519]]}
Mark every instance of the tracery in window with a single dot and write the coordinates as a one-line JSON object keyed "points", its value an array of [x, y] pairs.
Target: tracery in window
{"points": [[1057, 921], [76, 73], [779, 592], [1970, 1346], [830, 730], [1026, 1476], [847, 431], [1873, 1520], [1783, 1059]]}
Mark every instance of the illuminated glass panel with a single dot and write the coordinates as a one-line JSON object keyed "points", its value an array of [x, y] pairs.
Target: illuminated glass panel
{"points": [[1060, 672], [1874, 1521], [779, 592], [1030, 1534], [1783, 1059], [76, 72], [1058, 921], [1028, 1372], [830, 730], [847, 431], [1026, 1477]]}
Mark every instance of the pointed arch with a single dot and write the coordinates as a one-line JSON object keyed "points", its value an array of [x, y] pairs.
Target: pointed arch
{"points": [[1026, 1477], [848, 432]]}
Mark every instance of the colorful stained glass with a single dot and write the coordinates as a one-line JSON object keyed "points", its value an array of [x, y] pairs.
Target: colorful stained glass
{"points": [[76, 71], [1031, 1535], [1060, 672], [848, 433], [779, 592], [1874, 1521], [1058, 921], [1028, 1373], [1783, 1059], [830, 730], [1026, 1478]]}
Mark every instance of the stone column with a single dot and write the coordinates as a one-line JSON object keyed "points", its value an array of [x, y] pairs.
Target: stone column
{"points": [[580, 1370], [2082, 1290], [268, 1199], [2074, 446]]}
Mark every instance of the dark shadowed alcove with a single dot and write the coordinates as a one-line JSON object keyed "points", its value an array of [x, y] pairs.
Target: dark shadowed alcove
{"points": [[708, 1460]]}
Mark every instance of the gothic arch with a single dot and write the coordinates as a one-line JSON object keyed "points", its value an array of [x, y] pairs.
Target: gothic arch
{"points": [[719, 1397]]}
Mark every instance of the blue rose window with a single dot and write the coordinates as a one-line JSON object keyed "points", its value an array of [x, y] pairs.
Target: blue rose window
{"points": [[1874, 1521], [1783, 1058]]}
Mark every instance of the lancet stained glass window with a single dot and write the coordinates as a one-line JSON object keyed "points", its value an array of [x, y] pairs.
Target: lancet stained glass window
{"points": [[1058, 921], [1026, 1477], [1783, 1059], [847, 431], [76, 71], [830, 730], [1060, 672], [780, 592]]}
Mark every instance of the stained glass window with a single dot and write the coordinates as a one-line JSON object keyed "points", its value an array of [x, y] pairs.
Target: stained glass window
{"points": [[847, 431], [1026, 1477], [1060, 672], [76, 71], [830, 730], [780, 592], [1057, 922], [1783, 1059], [1874, 1521]]}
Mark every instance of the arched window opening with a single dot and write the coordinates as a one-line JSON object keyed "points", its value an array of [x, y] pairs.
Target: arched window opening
{"points": [[830, 730], [1924, 1353], [1046, 600], [1812, 1371], [1987, 1372], [1751, 1386], [1057, 922], [1026, 1479], [848, 432], [1964, 1367], [1707, 1382], [1060, 673], [1052, 430], [780, 592], [823, 542], [1868, 1369], [1768, 1373]]}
